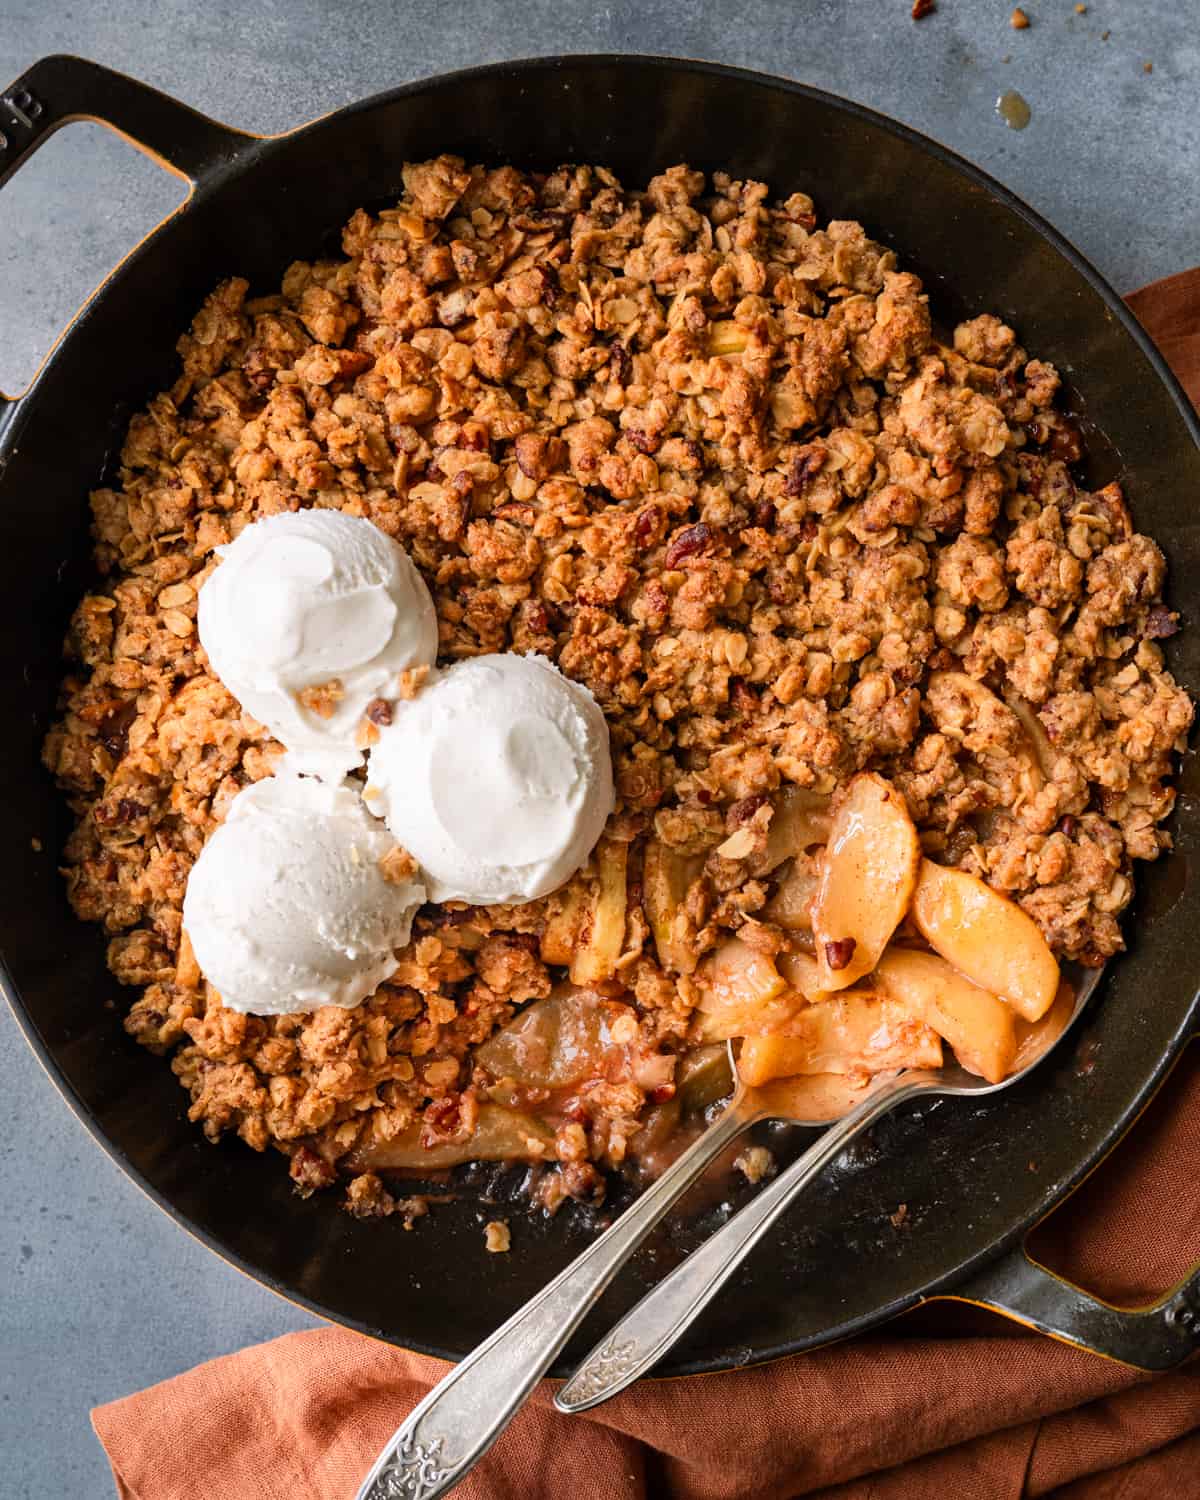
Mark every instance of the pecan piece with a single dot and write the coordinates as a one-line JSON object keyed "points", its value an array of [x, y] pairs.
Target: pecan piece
{"points": [[444, 1121], [309, 1171], [113, 728], [743, 810], [583, 1182], [1161, 623], [538, 456], [687, 543], [764, 514], [352, 362], [1066, 443], [804, 467]]}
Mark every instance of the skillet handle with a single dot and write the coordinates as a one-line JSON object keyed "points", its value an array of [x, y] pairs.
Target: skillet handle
{"points": [[1156, 1337], [60, 89]]}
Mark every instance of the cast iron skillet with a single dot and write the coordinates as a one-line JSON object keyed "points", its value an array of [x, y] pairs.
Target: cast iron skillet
{"points": [[963, 1169]]}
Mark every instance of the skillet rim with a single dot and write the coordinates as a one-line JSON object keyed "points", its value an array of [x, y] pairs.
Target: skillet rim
{"points": [[248, 152]]}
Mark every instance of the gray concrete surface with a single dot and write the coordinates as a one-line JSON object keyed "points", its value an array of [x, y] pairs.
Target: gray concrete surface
{"points": [[99, 1293]]}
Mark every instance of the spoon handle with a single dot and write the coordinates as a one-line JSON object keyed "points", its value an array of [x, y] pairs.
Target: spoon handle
{"points": [[465, 1413], [644, 1335]]}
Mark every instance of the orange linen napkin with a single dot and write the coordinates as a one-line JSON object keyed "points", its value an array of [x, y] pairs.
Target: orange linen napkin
{"points": [[990, 1413]]}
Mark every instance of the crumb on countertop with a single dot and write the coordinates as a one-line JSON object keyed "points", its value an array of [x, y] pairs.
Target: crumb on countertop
{"points": [[1019, 21], [499, 1238], [922, 8]]}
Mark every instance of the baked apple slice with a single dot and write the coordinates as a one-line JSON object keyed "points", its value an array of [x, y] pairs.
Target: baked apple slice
{"points": [[867, 881], [603, 934], [814, 1097], [987, 937], [742, 991], [801, 818], [564, 926], [667, 876], [980, 1028], [499, 1135], [790, 907], [855, 1031], [802, 974]]}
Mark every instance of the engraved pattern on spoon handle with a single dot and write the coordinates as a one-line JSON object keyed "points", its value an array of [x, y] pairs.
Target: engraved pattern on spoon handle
{"points": [[644, 1335], [460, 1419]]}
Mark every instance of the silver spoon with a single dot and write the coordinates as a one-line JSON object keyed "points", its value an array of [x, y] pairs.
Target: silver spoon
{"points": [[464, 1414], [645, 1334]]}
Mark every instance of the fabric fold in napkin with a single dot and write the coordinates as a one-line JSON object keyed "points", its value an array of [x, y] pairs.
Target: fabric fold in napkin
{"points": [[943, 1401]]}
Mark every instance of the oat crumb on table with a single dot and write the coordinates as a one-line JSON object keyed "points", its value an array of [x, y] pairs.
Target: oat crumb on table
{"points": [[713, 461], [1019, 21], [498, 1237]]}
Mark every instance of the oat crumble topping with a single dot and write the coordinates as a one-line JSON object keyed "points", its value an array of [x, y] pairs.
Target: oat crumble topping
{"points": [[713, 461]]}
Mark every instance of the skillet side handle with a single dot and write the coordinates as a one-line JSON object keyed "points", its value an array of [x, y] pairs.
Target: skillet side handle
{"points": [[1156, 1337], [58, 90]]}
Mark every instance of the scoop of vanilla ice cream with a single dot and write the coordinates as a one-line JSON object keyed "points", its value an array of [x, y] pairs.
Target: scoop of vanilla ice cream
{"points": [[288, 907], [496, 778], [310, 616]]}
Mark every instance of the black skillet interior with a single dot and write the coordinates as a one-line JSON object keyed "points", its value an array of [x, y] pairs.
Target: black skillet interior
{"points": [[973, 1175]]}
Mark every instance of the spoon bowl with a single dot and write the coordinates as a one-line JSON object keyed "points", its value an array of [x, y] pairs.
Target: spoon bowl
{"points": [[455, 1425], [645, 1334]]}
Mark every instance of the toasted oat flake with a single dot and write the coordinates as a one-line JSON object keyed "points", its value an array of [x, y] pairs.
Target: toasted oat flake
{"points": [[178, 623], [738, 845]]}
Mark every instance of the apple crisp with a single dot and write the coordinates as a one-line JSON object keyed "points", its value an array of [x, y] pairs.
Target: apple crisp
{"points": [[715, 463]]}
